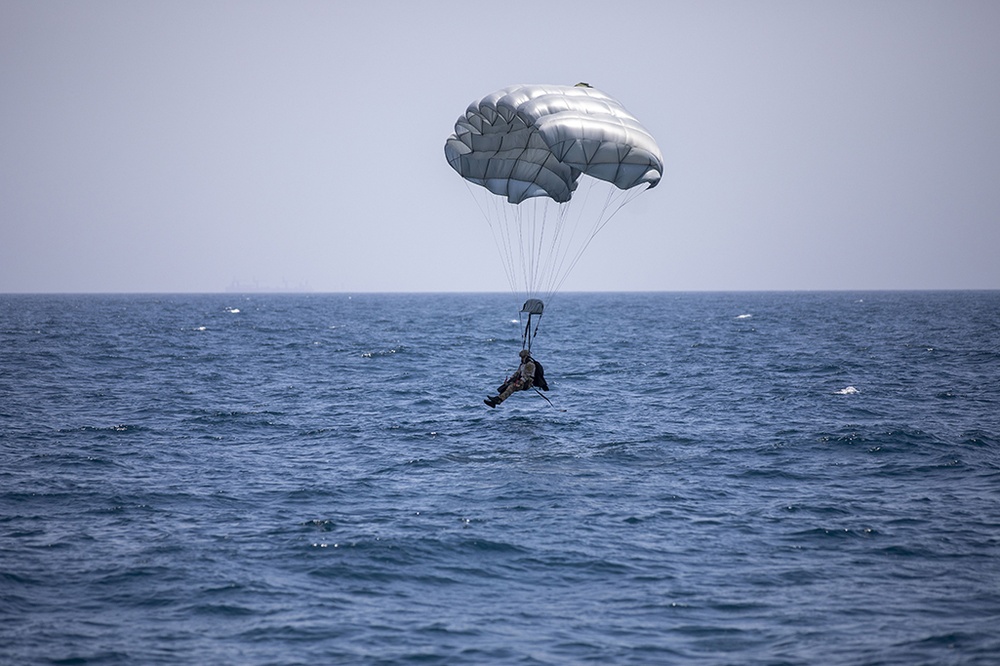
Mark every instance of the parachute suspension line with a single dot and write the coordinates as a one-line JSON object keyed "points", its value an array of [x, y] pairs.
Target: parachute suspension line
{"points": [[615, 201], [539, 246], [542, 268], [572, 216], [527, 222], [508, 222], [532, 220], [509, 218], [484, 200], [542, 251], [527, 245], [528, 228], [553, 248], [563, 241], [544, 222]]}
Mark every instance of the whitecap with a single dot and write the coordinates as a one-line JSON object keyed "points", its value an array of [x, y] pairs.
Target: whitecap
{"points": [[202, 328], [233, 310], [850, 390], [383, 352], [744, 316]]}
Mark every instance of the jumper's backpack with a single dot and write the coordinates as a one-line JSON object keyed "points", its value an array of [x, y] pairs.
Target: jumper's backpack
{"points": [[539, 380]]}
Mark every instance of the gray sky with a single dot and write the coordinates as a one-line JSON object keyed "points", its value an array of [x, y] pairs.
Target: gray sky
{"points": [[180, 146]]}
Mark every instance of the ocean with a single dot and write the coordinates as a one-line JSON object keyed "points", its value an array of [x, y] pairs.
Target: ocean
{"points": [[719, 478]]}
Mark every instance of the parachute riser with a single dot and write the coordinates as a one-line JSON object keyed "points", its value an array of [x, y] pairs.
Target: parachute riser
{"points": [[532, 307], [529, 334]]}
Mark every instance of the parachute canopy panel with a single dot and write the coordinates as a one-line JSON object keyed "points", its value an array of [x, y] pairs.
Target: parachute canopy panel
{"points": [[533, 306], [528, 141]]}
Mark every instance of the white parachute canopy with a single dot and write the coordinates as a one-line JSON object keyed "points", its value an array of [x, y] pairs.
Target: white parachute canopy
{"points": [[529, 145]]}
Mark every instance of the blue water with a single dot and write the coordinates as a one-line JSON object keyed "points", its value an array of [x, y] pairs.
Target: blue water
{"points": [[753, 478]]}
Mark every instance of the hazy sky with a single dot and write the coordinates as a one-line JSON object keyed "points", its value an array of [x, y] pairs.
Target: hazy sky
{"points": [[180, 146]]}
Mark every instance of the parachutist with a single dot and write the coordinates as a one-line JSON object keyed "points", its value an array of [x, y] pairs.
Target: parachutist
{"points": [[529, 375], [527, 148]]}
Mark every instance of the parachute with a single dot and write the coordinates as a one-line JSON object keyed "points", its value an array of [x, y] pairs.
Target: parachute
{"points": [[528, 148]]}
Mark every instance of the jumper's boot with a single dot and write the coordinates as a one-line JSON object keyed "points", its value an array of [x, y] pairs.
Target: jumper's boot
{"points": [[491, 401]]}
